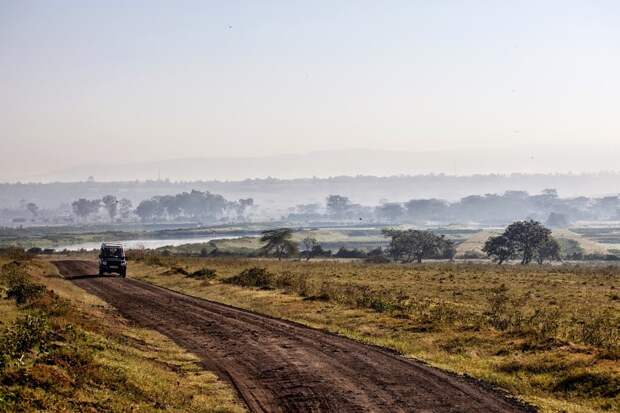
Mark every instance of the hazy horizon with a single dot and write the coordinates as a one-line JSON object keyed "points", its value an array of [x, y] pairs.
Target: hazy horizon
{"points": [[326, 164], [478, 87]]}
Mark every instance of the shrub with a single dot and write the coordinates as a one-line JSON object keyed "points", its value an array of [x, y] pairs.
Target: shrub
{"points": [[601, 330], [590, 384], [354, 253], [22, 336], [203, 273], [252, 277], [14, 253], [377, 259], [472, 255], [545, 322], [497, 299], [18, 285], [297, 283], [24, 291], [180, 270]]}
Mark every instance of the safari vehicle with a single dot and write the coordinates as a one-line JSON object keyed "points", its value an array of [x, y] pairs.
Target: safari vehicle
{"points": [[112, 259]]}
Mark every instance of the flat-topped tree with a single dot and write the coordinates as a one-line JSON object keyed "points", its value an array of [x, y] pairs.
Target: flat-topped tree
{"points": [[279, 242]]}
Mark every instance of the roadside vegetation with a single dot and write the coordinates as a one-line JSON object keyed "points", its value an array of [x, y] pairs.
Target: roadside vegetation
{"points": [[64, 350], [549, 334]]}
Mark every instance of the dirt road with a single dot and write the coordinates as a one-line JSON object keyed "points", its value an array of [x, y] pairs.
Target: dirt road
{"points": [[278, 366]]}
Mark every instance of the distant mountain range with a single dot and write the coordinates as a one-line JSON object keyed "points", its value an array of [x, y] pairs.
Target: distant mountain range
{"points": [[351, 162]]}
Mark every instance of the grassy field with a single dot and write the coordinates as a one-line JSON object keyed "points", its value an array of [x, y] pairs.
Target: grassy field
{"points": [[550, 335], [62, 349]]}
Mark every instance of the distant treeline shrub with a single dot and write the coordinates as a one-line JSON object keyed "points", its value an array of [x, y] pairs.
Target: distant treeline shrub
{"points": [[204, 206]]}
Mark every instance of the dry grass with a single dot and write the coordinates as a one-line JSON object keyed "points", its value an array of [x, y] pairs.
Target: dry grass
{"points": [[82, 356], [547, 334], [589, 246]]}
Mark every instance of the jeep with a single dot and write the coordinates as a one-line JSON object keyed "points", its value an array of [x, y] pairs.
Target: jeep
{"points": [[112, 259]]}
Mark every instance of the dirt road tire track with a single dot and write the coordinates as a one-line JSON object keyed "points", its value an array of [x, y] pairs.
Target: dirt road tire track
{"points": [[279, 366]]}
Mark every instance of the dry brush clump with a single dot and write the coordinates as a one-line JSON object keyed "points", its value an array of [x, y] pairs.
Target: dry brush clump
{"points": [[252, 277]]}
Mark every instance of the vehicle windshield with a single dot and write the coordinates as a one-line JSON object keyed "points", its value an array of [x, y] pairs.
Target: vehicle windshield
{"points": [[112, 252]]}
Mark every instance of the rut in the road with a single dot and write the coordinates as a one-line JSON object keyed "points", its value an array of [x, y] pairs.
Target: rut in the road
{"points": [[281, 366]]}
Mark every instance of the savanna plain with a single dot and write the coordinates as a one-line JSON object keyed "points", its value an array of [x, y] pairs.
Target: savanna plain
{"points": [[548, 334]]}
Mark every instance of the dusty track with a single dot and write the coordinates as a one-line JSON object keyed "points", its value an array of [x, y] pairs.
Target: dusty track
{"points": [[281, 366]]}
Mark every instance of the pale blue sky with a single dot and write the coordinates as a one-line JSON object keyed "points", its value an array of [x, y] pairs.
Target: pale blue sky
{"points": [[147, 80]]}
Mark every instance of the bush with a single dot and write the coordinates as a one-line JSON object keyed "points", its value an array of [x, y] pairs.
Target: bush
{"points": [[472, 255], [203, 273], [18, 285], [354, 253], [22, 336], [296, 283], [24, 291], [252, 277], [601, 330], [180, 270], [497, 299], [377, 259], [14, 253]]}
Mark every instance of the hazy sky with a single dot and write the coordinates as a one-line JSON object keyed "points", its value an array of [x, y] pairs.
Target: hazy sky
{"points": [[137, 81]]}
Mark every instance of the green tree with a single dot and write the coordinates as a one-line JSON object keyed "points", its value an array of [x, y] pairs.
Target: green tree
{"points": [[499, 248], [412, 244], [310, 247], [549, 249], [527, 236], [279, 242], [527, 239], [447, 249]]}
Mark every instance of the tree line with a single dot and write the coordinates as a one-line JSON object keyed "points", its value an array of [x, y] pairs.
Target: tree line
{"points": [[492, 209], [195, 205], [526, 240], [488, 209]]}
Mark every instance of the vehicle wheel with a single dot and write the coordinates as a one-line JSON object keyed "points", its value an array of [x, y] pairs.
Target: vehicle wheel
{"points": [[123, 273]]}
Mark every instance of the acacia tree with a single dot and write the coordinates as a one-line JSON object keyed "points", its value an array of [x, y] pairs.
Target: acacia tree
{"points": [[310, 247], [279, 242]]}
